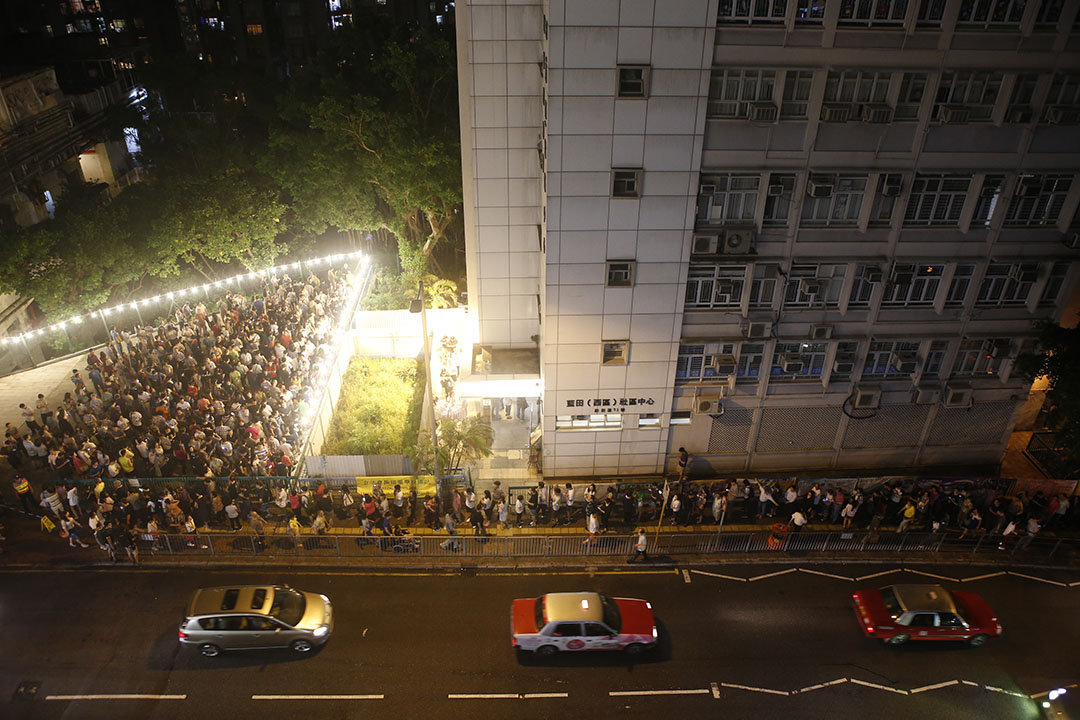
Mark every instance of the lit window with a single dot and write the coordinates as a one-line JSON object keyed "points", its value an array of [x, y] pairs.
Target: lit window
{"points": [[254, 29]]}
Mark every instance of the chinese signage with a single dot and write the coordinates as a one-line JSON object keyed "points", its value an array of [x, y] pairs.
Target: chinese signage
{"points": [[611, 405]]}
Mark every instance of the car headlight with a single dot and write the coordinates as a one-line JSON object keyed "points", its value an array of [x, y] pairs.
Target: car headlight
{"points": [[320, 631]]}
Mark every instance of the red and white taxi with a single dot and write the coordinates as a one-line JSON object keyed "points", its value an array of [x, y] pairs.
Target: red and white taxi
{"points": [[559, 622], [899, 613]]}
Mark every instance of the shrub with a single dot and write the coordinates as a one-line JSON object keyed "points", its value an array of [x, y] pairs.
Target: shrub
{"points": [[375, 413]]}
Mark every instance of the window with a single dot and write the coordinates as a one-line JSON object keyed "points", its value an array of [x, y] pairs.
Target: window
{"points": [[633, 81], [810, 11], [752, 11], [778, 199], [567, 630], [879, 358], [1049, 14], [228, 600], [254, 29], [987, 202], [976, 91], [699, 362], [731, 91], [620, 273], [833, 200], [862, 289], [798, 361], [872, 12], [118, 24], [922, 289], [947, 619], [680, 417], [1038, 200], [797, 84], [812, 286], [923, 620], [888, 190], [934, 358], [1054, 283], [600, 421], [936, 200], [594, 629], [649, 421], [1064, 91], [626, 183], [727, 198], [909, 102], [714, 286], [852, 86], [958, 288], [976, 357], [1023, 91], [1006, 285], [615, 352], [990, 13], [750, 356], [930, 12], [763, 286], [844, 363]]}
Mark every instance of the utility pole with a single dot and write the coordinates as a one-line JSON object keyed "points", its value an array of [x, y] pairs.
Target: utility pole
{"points": [[420, 306]]}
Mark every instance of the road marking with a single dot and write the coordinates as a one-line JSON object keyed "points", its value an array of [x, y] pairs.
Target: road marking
{"points": [[132, 696], [628, 693], [935, 686], [715, 690], [839, 681], [878, 574], [939, 577], [1074, 584], [825, 574], [686, 576], [1033, 577], [317, 697], [505, 696], [751, 688], [719, 575], [879, 687], [968, 682], [773, 574], [981, 577]]}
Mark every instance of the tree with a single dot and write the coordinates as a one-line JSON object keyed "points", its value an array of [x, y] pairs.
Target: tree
{"points": [[460, 442], [1058, 359]]}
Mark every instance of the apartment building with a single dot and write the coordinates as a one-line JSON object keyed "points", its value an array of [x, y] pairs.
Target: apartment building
{"points": [[785, 234]]}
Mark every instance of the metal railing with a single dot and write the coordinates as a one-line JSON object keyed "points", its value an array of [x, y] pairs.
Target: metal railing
{"points": [[871, 544]]}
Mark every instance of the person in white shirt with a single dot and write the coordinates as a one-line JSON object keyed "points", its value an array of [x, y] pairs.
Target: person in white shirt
{"points": [[798, 520]]}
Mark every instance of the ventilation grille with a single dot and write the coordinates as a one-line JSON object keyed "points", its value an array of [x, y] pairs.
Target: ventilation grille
{"points": [[731, 431], [797, 429], [894, 426], [982, 424]]}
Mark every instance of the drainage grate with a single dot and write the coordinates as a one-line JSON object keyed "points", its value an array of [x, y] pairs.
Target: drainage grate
{"points": [[27, 690]]}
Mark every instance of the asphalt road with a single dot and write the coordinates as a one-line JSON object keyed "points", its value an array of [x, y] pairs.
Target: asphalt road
{"points": [[785, 646]]}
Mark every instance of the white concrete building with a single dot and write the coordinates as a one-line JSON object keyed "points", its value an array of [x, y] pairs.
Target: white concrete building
{"points": [[785, 234]]}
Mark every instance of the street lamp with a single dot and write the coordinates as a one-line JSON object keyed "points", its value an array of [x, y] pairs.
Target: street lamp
{"points": [[418, 305]]}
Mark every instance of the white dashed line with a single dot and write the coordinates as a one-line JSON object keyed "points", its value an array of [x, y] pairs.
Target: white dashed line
{"points": [[982, 577], [935, 686], [715, 690], [630, 693], [879, 687], [317, 697], [751, 688], [926, 574], [505, 696], [132, 696], [968, 682], [825, 574], [773, 574], [877, 574], [839, 681], [686, 576], [1032, 577], [719, 575]]}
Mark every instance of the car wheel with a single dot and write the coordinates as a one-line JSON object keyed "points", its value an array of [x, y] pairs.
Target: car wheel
{"points": [[634, 649], [209, 650], [546, 650], [301, 646], [898, 639], [977, 640]]}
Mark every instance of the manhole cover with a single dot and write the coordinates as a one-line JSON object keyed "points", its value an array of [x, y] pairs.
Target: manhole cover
{"points": [[27, 690]]}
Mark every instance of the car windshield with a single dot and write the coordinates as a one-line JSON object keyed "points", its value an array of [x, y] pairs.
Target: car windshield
{"points": [[612, 618], [539, 609], [288, 605], [891, 603]]}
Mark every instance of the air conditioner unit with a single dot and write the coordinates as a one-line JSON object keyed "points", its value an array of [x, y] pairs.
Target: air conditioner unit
{"points": [[738, 241], [763, 112], [1071, 240], [1018, 114], [952, 114], [708, 406], [811, 287], [926, 395], [905, 363], [867, 398], [844, 364], [819, 187], [999, 347], [1024, 273], [707, 190], [723, 364], [791, 363], [820, 332], [872, 274], [902, 275], [705, 244], [835, 113], [725, 287], [758, 330], [1063, 115], [892, 184], [876, 113], [958, 396], [776, 190]]}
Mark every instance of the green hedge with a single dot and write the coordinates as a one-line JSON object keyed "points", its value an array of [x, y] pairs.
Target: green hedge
{"points": [[378, 410]]}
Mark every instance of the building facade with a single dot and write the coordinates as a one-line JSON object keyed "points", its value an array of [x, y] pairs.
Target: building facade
{"points": [[785, 235]]}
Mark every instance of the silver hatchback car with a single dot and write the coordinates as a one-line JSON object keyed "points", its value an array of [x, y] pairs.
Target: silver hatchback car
{"points": [[252, 617]]}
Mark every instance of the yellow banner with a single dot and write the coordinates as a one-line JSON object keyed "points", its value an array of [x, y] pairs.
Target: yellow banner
{"points": [[424, 484]]}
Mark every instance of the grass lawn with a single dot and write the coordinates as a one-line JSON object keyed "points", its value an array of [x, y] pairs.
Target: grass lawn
{"points": [[378, 412]]}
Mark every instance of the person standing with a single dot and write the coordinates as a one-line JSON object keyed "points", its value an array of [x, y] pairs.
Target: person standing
{"points": [[640, 546], [73, 500], [684, 462], [71, 527], [25, 493], [233, 513], [556, 506], [798, 520], [592, 522]]}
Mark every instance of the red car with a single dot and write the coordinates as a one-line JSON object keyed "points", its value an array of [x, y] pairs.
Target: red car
{"points": [[559, 622], [899, 613]]}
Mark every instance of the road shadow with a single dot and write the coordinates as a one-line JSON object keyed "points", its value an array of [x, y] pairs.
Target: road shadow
{"points": [[661, 652]]}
